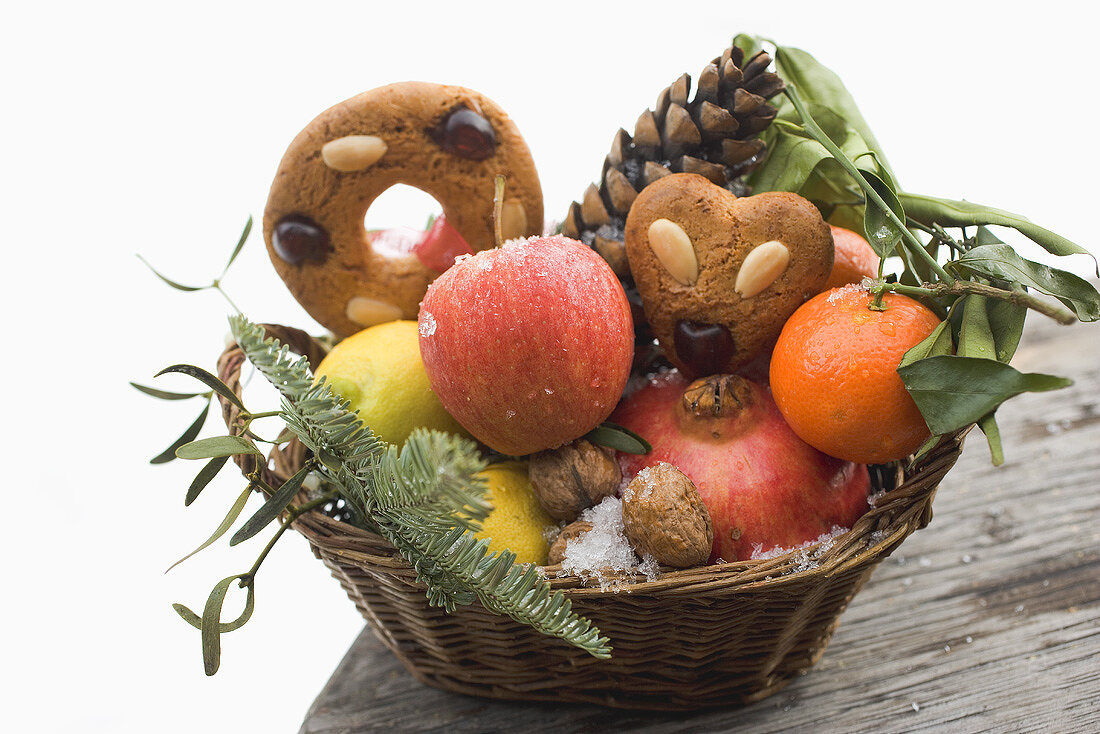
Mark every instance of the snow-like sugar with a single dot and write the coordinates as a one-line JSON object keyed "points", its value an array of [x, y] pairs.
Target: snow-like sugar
{"points": [[807, 554], [843, 292], [462, 258], [603, 554], [427, 325]]}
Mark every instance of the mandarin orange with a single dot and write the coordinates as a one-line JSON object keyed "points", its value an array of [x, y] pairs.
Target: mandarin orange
{"points": [[854, 259], [834, 374]]}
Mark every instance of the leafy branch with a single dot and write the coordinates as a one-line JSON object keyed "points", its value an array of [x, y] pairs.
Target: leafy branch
{"points": [[215, 284], [822, 148], [424, 498]]}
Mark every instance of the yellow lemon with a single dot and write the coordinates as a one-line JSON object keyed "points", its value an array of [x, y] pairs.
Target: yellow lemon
{"points": [[517, 522], [379, 371]]}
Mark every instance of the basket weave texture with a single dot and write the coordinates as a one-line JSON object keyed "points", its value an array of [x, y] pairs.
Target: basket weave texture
{"points": [[726, 634]]}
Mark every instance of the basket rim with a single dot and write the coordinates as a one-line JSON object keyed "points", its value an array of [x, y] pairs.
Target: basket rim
{"points": [[892, 516]]}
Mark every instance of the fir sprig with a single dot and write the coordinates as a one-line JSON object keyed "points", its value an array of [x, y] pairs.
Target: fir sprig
{"points": [[425, 499]]}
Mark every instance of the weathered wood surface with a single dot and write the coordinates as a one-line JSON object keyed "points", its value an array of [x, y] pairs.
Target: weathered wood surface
{"points": [[987, 620]]}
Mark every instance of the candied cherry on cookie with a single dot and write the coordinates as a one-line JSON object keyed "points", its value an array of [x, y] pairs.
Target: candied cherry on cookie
{"points": [[447, 141], [719, 275]]}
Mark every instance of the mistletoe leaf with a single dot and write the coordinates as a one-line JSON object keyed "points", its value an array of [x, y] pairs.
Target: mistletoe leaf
{"points": [[188, 436], [207, 379]]}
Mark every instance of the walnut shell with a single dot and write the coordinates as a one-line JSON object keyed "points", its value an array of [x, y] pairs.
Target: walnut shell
{"points": [[573, 478], [664, 516], [568, 533]]}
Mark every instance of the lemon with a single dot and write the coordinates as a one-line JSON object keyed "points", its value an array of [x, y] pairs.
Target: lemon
{"points": [[517, 522], [378, 370]]}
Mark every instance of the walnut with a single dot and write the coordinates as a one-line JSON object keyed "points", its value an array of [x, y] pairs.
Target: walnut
{"points": [[569, 532], [573, 478], [664, 516]]}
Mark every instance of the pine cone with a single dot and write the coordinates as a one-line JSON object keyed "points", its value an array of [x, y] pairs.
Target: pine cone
{"points": [[715, 135]]}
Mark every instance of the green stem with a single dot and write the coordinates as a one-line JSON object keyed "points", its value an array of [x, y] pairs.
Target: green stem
{"points": [[216, 285], [970, 287], [820, 136], [293, 513]]}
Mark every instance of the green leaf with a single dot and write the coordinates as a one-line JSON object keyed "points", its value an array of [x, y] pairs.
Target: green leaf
{"points": [[935, 344], [227, 522], [820, 85], [882, 234], [953, 392], [196, 621], [207, 379], [1006, 321], [169, 281], [1001, 262], [240, 245], [211, 625], [209, 448], [975, 334], [992, 432], [273, 507], [188, 436], [985, 237], [164, 394], [930, 210], [751, 45], [207, 473], [616, 437]]}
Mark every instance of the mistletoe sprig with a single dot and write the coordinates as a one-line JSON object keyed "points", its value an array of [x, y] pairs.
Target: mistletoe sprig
{"points": [[822, 148], [425, 497]]}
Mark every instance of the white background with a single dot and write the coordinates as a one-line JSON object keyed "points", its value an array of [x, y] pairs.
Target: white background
{"points": [[155, 128]]}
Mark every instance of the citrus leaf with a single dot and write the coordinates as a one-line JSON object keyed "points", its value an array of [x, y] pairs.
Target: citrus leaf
{"points": [[1001, 262], [272, 508], [209, 448], [207, 379], [930, 210], [822, 86], [882, 234], [1006, 321], [196, 621], [985, 237], [169, 281], [230, 518], [975, 334], [953, 392], [240, 244], [164, 394], [616, 437], [188, 436], [935, 344], [203, 478], [211, 626], [992, 432]]}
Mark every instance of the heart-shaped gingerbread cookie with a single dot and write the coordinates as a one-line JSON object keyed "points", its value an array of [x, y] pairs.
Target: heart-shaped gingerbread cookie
{"points": [[719, 275]]}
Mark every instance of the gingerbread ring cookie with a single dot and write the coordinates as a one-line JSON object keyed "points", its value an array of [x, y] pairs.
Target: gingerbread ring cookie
{"points": [[719, 275], [447, 141]]}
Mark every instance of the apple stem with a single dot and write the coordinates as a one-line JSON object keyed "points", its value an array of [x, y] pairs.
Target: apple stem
{"points": [[498, 208]]}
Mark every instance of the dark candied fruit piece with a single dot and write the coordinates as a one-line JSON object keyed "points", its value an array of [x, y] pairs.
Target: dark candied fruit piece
{"points": [[298, 238], [465, 134], [705, 349]]}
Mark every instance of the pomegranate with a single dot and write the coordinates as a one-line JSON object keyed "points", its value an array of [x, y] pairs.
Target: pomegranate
{"points": [[765, 488]]}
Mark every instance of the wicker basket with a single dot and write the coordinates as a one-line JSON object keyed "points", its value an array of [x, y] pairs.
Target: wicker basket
{"points": [[728, 634]]}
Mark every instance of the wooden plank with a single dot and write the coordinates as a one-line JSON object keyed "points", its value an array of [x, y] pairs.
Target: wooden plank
{"points": [[987, 620]]}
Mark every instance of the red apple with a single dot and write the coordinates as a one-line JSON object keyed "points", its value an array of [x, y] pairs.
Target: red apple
{"points": [[440, 245], [765, 488], [528, 345]]}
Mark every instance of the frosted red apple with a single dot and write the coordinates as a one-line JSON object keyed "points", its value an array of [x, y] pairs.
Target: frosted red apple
{"points": [[764, 487], [528, 345]]}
